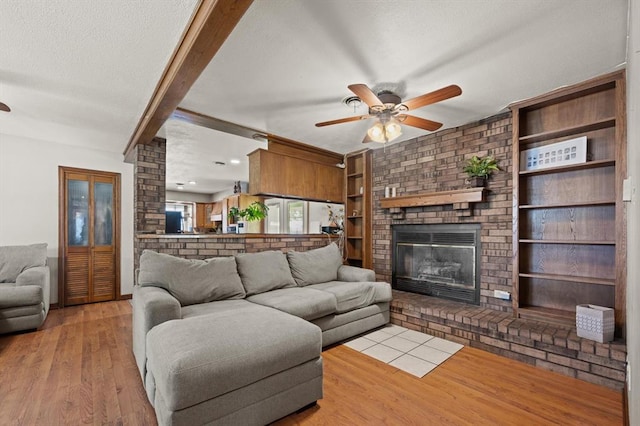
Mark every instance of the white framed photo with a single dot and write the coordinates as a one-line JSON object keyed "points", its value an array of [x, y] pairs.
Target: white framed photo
{"points": [[572, 151]]}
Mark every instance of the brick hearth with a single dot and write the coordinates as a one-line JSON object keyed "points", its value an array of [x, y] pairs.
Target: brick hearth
{"points": [[552, 347]]}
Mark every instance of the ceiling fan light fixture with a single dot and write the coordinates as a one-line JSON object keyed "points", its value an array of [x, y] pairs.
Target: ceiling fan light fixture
{"points": [[392, 129], [387, 132], [376, 133]]}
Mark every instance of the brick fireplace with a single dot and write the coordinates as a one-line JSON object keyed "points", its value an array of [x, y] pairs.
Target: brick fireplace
{"points": [[432, 164], [440, 260]]}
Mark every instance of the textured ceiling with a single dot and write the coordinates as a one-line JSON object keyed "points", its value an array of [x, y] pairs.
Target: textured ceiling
{"points": [[287, 64], [82, 72]]}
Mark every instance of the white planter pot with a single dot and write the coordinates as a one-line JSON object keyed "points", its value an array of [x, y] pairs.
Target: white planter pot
{"points": [[595, 322]]}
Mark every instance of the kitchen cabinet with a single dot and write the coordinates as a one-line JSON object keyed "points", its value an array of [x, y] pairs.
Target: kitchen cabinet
{"points": [[280, 175]]}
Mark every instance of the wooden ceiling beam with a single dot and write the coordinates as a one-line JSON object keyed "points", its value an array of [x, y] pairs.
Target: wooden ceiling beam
{"points": [[209, 28]]}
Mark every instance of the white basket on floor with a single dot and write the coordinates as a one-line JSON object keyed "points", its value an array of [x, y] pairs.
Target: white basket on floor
{"points": [[595, 322]]}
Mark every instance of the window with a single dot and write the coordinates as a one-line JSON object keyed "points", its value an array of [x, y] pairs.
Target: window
{"points": [[274, 217], [296, 215]]}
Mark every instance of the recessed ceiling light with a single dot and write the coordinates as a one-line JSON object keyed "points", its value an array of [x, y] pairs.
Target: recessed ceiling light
{"points": [[192, 182], [180, 186], [234, 161], [219, 163]]}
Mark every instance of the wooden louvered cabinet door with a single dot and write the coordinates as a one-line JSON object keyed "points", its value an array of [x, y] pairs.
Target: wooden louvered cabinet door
{"points": [[89, 252]]}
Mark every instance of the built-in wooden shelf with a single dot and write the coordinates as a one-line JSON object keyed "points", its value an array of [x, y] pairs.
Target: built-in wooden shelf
{"points": [[576, 242], [354, 238], [358, 216], [455, 196], [568, 131], [571, 167], [570, 278], [568, 204], [549, 315]]}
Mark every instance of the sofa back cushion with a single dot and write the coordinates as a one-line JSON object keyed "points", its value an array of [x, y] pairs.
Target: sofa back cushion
{"points": [[191, 281], [315, 266], [15, 259], [264, 271]]}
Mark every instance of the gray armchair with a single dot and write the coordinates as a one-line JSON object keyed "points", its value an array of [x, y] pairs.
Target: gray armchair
{"points": [[24, 287]]}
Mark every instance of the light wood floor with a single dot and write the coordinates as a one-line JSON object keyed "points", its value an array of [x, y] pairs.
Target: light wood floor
{"points": [[79, 369]]}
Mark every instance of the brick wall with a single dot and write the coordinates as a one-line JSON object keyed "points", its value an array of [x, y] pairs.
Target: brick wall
{"points": [[434, 163], [206, 246], [149, 192]]}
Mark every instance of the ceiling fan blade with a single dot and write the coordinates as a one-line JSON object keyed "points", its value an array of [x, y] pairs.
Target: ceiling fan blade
{"points": [[4, 107], [431, 98], [366, 95], [421, 123], [342, 120]]}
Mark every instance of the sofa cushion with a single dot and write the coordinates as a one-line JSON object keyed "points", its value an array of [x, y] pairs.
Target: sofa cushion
{"points": [[264, 271], [315, 266], [305, 303], [15, 259], [201, 309], [354, 295], [191, 281], [197, 359]]}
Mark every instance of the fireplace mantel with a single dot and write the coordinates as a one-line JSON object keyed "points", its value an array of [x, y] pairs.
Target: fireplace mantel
{"points": [[460, 198]]}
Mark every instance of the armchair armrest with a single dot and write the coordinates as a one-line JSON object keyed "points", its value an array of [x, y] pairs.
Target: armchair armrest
{"points": [[151, 306], [38, 276], [353, 274], [33, 276], [12, 296]]}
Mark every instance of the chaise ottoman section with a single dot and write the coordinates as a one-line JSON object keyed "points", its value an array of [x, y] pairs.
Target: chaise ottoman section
{"points": [[257, 354]]}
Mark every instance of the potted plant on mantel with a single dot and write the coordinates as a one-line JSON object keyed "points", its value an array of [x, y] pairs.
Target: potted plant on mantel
{"points": [[479, 169], [254, 212]]}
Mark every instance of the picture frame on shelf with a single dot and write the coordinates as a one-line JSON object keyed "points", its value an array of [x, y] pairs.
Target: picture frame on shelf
{"points": [[571, 151]]}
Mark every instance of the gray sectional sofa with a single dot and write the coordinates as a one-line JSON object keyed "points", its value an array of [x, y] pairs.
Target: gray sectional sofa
{"points": [[238, 340]]}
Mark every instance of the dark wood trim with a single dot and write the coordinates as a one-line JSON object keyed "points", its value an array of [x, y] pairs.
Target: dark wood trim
{"points": [[62, 235], [596, 84], [621, 210], [293, 148], [211, 25], [125, 297], [213, 123]]}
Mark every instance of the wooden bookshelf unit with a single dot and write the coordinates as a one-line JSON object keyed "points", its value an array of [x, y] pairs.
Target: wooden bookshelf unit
{"points": [[569, 231], [358, 209]]}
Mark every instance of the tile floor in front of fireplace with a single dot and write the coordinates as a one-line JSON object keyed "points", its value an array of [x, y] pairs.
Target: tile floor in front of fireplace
{"points": [[409, 350]]}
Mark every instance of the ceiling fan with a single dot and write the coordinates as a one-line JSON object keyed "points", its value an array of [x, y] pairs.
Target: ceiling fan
{"points": [[389, 111]]}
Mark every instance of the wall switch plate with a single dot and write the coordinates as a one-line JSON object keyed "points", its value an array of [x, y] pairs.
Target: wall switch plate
{"points": [[504, 295], [627, 190]]}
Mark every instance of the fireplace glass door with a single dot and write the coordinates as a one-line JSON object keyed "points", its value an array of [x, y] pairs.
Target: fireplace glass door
{"points": [[450, 265], [441, 260]]}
